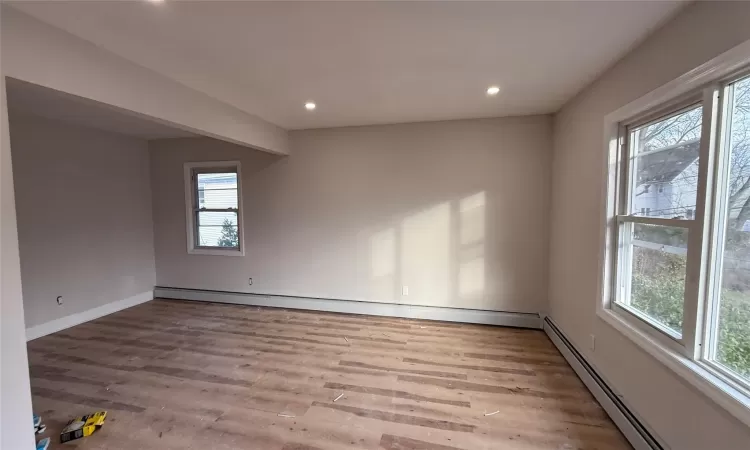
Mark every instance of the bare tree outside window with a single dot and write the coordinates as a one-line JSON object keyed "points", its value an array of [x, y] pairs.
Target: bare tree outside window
{"points": [[666, 165]]}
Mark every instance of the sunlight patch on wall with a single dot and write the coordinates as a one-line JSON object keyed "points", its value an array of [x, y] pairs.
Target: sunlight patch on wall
{"points": [[438, 253], [425, 256], [471, 210], [471, 264], [383, 264], [471, 278]]}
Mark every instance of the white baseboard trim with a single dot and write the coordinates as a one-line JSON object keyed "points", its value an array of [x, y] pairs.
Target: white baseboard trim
{"points": [[510, 319], [626, 421], [53, 326]]}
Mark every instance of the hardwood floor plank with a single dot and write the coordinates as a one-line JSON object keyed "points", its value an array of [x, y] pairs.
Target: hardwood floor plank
{"points": [[399, 418], [472, 367], [488, 388], [432, 373], [395, 394], [95, 402], [196, 375], [529, 360], [391, 442]]}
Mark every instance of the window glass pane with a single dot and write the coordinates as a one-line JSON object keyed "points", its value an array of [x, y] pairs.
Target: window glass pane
{"points": [[217, 229], [217, 190], [664, 164], [654, 268], [733, 334]]}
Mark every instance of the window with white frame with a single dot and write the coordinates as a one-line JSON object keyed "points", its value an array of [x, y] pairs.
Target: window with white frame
{"points": [[213, 199], [652, 229], [679, 226]]}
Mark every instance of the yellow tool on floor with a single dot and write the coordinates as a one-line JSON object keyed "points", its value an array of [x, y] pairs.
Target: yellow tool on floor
{"points": [[83, 426]]}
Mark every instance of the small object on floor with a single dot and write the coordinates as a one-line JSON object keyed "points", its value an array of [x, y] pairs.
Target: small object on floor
{"points": [[347, 339], [337, 398], [286, 415], [83, 426], [39, 427], [492, 413], [43, 444]]}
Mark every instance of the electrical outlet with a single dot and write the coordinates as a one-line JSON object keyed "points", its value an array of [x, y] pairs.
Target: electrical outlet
{"points": [[59, 300], [592, 344], [249, 281], [405, 290]]}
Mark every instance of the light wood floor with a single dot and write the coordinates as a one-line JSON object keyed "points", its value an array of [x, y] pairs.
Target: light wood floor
{"points": [[185, 375]]}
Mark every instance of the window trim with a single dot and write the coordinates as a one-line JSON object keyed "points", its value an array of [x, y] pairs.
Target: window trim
{"points": [[687, 362], [191, 197], [623, 216]]}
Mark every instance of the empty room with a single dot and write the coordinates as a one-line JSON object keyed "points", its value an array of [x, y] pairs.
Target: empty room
{"points": [[397, 225]]}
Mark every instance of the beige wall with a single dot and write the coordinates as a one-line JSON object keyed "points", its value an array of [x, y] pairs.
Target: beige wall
{"points": [[15, 398], [683, 418], [457, 211], [83, 201]]}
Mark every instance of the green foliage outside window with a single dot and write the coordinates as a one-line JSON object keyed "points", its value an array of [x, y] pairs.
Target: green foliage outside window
{"points": [[229, 236], [658, 291]]}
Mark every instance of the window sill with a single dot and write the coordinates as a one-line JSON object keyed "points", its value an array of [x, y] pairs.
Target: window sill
{"points": [[215, 252], [699, 375]]}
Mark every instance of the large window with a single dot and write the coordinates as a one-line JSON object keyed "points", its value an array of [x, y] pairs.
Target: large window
{"points": [[213, 201], [679, 228]]}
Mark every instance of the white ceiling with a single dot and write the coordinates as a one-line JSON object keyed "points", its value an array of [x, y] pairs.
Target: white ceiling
{"points": [[30, 98], [368, 62]]}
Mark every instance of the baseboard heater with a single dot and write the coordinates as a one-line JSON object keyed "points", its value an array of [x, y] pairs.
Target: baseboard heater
{"points": [[462, 315], [635, 432]]}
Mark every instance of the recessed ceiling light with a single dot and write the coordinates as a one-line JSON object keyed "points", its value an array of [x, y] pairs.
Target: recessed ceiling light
{"points": [[309, 106], [155, 1], [493, 90]]}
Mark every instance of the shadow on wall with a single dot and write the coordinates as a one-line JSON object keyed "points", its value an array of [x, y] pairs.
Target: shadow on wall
{"points": [[434, 257]]}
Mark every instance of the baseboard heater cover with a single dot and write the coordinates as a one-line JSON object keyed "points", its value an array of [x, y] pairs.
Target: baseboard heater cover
{"points": [[633, 430], [510, 319]]}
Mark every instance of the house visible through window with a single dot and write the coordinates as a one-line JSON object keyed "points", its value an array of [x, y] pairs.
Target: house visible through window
{"points": [[214, 208], [201, 198]]}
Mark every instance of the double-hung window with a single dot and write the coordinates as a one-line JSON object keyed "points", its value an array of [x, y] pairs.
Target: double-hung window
{"points": [[653, 227], [677, 250], [213, 200]]}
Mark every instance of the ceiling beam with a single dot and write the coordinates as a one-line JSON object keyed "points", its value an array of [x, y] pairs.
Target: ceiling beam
{"points": [[39, 53]]}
